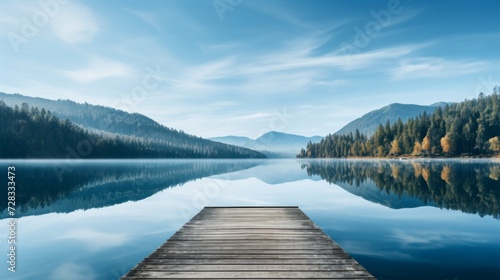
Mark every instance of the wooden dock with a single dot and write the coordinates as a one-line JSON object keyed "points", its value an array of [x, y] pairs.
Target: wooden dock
{"points": [[249, 243]]}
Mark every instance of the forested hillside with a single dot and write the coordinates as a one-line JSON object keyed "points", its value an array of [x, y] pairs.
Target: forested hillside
{"points": [[103, 118], [30, 132], [471, 127], [368, 123]]}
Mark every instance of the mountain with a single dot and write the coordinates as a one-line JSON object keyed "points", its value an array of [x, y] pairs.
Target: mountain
{"points": [[94, 117], [234, 140], [468, 128], [272, 144], [119, 130], [368, 123]]}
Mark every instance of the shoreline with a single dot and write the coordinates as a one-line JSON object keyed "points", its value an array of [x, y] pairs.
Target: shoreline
{"points": [[409, 157]]}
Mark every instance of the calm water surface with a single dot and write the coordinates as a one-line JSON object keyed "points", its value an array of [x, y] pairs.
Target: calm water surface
{"points": [[399, 219]]}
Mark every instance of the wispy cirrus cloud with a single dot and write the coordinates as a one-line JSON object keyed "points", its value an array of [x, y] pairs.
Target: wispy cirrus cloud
{"points": [[75, 23], [70, 22], [280, 13], [433, 67], [12, 14], [282, 69], [98, 69], [404, 16], [253, 116], [150, 18]]}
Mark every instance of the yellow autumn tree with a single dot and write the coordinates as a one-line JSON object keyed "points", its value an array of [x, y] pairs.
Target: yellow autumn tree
{"points": [[426, 144], [380, 151], [417, 148], [395, 149], [494, 144], [446, 144]]}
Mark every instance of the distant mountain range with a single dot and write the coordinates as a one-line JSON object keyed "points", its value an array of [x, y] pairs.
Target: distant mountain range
{"points": [[368, 123], [277, 144], [272, 144], [107, 123]]}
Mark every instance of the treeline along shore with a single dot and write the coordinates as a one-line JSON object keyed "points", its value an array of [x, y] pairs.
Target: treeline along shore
{"points": [[467, 129]]}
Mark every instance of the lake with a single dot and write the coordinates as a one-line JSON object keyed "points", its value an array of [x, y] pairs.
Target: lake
{"points": [[414, 219]]}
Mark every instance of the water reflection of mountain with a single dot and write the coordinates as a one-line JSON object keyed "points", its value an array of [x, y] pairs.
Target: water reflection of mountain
{"points": [[41, 189], [272, 172], [369, 191], [472, 187]]}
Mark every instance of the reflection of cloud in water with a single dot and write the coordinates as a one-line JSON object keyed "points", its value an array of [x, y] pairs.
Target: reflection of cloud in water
{"points": [[95, 240], [253, 191], [355, 248], [236, 200], [423, 239], [283, 171], [74, 272]]}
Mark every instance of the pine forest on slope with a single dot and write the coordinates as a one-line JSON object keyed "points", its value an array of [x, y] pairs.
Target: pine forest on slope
{"points": [[471, 128], [368, 123], [42, 128]]}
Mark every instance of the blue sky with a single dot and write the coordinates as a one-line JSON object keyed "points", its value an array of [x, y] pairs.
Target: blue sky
{"points": [[231, 67]]}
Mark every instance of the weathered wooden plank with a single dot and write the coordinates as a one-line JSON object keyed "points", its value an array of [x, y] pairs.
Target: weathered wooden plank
{"points": [[338, 255], [260, 240], [251, 267], [327, 278], [303, 245], [232, 232], [249, 250], [249, 239], [219, 246], [232, 261], [249, 243], [249, 227], [245, 274], [225, 238]]}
